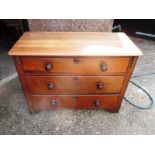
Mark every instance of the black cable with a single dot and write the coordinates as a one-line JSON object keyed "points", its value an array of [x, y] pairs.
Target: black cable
{"points": [[150, 105]]}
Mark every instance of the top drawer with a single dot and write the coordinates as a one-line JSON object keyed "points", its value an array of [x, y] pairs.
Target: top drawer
{"points": [[75, 65]]}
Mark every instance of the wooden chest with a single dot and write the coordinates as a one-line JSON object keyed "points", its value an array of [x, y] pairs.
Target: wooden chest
{"points": [[79, 70]]}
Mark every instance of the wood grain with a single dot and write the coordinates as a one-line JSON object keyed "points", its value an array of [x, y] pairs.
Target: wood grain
{"points": [[74, 101], [74, 84], [19, 68], [126, 82], [68, 65], [63, 69], [74, 44]]}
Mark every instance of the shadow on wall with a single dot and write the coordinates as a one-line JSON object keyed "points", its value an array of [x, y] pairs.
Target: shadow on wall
{"points": [[73, 25]]}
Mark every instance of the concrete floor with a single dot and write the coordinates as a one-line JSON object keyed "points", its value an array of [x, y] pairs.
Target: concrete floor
{"points": [[15, 118], [6, 63]]}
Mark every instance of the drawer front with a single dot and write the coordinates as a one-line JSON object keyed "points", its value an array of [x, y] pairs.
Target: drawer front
{"points": [[74, 84], [76, 65], [71, 101]]}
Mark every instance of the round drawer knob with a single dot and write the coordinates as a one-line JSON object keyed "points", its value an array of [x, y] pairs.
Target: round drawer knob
{"points": [[50, 86], [97, 102], [76, 60], [104, 67], [48, 67], [53, 102], [100, 85]]}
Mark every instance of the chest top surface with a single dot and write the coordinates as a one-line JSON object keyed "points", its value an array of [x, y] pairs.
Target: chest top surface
{"points": [[74, 44]]}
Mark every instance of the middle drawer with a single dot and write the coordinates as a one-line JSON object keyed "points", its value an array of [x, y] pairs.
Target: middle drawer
{"points": [[74, 84]]}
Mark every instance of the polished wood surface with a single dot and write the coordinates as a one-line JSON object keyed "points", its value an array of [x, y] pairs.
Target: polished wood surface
{"points": [[74, 70], [76, 65], [126, 80], [74, 44], [74, 84], [74, 101], [20, 71]]}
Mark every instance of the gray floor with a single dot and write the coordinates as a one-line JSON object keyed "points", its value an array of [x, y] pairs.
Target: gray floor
{"points": [[15, 119], [6, 63]]}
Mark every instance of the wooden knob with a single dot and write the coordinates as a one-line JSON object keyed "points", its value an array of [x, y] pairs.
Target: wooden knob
{"points": [[104, 67], [53, 102], [100, 85], [76, 60], [48, 67], [50, 86], [97, 102]]}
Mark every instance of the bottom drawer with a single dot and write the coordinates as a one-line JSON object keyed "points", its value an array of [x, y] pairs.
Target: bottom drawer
{"points": [[75, 102]]}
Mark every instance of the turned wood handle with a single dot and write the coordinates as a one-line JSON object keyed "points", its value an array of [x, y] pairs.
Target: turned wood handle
{"points": [[48, 67], [100, 85], [50, 86], [97, 102], [53, 102], [104, 67]]}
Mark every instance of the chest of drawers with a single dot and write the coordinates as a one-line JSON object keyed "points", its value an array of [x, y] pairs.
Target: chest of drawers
{"points": [[78, 70]]}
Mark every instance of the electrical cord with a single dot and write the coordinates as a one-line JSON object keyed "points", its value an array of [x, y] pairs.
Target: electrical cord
{"points": [[150, 105]]}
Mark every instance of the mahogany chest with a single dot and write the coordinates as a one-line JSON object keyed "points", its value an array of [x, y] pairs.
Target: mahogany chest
{"points": [[79, 70]]}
